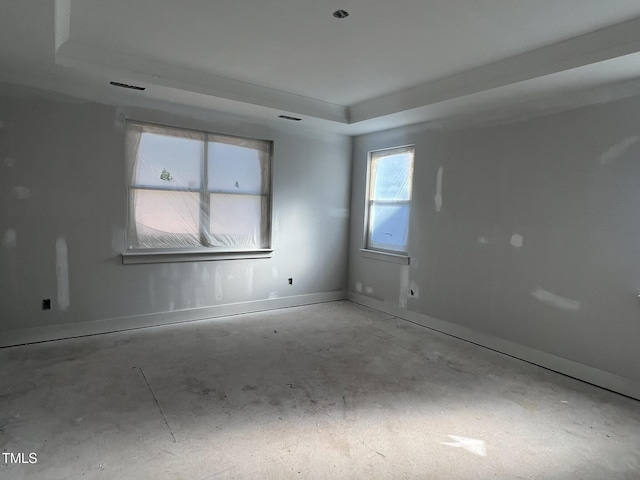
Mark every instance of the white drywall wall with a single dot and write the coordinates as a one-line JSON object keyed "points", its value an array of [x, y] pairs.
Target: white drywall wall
{"points": [[527, 231], [62, 219]]}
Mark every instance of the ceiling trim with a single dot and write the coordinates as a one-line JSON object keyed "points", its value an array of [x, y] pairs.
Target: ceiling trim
{"points": [[176, 81], [604, 44], [119, 66]]}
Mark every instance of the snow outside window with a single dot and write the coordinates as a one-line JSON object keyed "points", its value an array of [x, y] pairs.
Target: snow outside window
{"points": [[389, 199], [196, 190]]}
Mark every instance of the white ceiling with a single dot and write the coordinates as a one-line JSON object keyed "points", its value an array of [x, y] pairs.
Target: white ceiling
{"points": [[387, 64]]}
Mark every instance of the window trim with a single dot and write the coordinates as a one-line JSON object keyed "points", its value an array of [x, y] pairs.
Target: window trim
{"points": [[399, 258], [140, 256], [368, 251], [197, 253]]}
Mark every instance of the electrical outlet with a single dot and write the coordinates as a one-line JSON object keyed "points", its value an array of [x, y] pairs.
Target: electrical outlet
{"points": [[46, 304], [291, 281]]}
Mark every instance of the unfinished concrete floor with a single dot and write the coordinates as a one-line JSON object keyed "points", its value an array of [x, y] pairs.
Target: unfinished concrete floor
{"points": [[330, 391]]}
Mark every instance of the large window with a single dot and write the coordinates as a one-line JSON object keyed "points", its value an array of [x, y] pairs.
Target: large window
{"points": [[193, 190], [389, 199]]}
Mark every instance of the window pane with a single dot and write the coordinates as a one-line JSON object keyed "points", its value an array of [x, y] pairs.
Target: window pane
{"points": [[237, 220], [391, 176], [166, 161], [166, 219], [167, 205], [389, 226], [236, 169]]}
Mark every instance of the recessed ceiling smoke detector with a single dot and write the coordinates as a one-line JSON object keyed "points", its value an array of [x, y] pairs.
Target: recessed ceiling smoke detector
{"points": [[341, 14]]}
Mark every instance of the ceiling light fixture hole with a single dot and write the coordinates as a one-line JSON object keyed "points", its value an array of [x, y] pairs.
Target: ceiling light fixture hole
{"points": [[341, 14]]}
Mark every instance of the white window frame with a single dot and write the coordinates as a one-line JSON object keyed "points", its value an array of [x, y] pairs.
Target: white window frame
{"points": [[204, 252], [370, 251]]}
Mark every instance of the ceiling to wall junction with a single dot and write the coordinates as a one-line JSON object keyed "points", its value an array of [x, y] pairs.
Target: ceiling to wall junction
{"points": [[387, 64]]}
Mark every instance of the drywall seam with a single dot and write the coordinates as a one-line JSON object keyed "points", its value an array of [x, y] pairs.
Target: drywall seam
{"points": [[62, 22], [57, 332], [62, 273], [438, 197], [600, 378]]}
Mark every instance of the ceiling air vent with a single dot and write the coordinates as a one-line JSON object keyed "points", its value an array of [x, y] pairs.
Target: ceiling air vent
{"points": [[125, 85], [287, 117]]}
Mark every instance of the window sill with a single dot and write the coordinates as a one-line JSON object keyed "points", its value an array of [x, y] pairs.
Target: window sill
{"points": [[140, 257], [385, 256]]}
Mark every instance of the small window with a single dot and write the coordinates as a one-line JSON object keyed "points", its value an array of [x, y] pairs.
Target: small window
{"points": [[196, 190], [389, 199]]}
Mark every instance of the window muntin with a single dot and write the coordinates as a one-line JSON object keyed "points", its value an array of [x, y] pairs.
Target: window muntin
{"points": [[389, 199], [196, 190]]}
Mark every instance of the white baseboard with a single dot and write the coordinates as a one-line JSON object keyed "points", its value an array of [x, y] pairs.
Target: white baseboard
{"points": [[69, 330], [601, 378]]}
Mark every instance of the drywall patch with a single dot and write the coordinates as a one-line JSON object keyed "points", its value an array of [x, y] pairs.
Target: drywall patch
{"points": [[9, 162], [202, 287], [174, 273], [404, 286], [273, 295], [186, 295], [62, 273], [368, 290], [483, 240], [218, 283], [517, 240], [274, 272], [618, 150], [20, 192], [358, 287], [152, 290], [120, 120], [62, 23], [117, 238], [249, 273], [554, 300], [164, 271], [10, 238], [205, 275], [438, 197]]}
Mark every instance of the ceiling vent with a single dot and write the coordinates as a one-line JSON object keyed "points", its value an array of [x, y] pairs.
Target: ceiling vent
{"points": [[287, 117], [125, 85]]}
